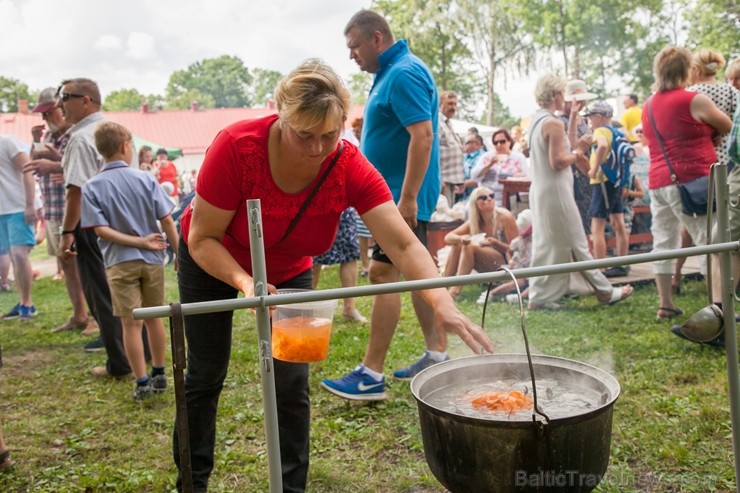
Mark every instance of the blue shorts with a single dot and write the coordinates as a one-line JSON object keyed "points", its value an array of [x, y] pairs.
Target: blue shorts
{"points": [[598, 207], [420, 231], [15, 231]]}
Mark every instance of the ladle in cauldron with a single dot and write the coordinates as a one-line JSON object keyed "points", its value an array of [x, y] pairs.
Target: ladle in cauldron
{"points": [[708, 323], [541, 426]]}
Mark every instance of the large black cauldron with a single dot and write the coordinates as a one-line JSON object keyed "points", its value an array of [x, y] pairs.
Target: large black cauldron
{"points": [[469, 455]]}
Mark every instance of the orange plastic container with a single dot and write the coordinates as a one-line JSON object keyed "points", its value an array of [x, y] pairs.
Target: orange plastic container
{"points": [[301, 331]]}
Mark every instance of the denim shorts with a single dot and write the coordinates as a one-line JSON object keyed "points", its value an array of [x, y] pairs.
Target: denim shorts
{"points": [[15, 231], [599, 207]]}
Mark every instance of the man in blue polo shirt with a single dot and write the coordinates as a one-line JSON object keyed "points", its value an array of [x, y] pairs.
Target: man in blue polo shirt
{"points": [[399, 137]]}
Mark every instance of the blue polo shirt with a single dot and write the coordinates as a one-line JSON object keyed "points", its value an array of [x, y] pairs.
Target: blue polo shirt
{"points": [[403, 93], [131, 202]]}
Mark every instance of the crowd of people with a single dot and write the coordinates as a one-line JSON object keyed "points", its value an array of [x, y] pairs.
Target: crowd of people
{"points": [[110, 217]]}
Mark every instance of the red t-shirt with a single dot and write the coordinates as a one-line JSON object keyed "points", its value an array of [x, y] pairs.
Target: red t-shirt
{"points": [[168, 173], [236, 168], [688, 142]]}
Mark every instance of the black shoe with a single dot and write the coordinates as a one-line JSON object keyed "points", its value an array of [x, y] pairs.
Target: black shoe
{"points": [[676, 329], [718, 341], [617, 271], [94, 346]]}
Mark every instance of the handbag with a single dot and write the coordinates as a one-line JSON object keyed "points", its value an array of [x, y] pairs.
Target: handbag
{"points": [[313, 192], [694, 193]]}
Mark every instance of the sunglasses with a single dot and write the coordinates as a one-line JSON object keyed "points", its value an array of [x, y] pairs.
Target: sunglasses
{"points": [[499, 142], [64, 97], [637, 131], [485, 197]]}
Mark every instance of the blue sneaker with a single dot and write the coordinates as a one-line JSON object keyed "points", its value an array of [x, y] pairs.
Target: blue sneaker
{"points": [[410, 371], [14, 313], [356, 386], [28, 312]]}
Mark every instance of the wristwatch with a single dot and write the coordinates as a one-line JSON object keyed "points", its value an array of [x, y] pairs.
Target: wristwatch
{"points": [[63, 231]]}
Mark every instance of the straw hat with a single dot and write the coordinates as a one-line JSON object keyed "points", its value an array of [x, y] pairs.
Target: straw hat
{"points": [[576, 90]]}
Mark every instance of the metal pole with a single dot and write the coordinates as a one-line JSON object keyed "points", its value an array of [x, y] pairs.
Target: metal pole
{"points": [[728, 311], [267, 370], [440, 282]]}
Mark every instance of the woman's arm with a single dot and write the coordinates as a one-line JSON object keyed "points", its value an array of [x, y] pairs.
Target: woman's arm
{"points": [[458, 235], [207, 227], [704, 110], [413, 260]]}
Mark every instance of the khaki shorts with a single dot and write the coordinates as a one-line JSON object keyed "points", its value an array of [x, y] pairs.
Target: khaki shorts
{"points": [[53, 238], [135, 284]]}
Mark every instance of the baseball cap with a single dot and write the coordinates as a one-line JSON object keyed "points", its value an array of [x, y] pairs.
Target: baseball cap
{"points": [[47, 100], [576, 90], [599, 108]]}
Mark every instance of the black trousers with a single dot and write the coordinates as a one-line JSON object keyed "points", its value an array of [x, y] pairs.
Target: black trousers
{"points": [[97, 294], [209, 348]]}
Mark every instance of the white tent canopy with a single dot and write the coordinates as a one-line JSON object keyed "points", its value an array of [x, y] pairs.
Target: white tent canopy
{"points": [[460, 127]]}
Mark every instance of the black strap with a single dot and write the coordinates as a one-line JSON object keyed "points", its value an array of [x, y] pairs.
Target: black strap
{"points": [[674, 178], [313, 192]]}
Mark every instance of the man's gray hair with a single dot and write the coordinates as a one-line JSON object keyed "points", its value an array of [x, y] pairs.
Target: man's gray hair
{"points": [[369, 22]]}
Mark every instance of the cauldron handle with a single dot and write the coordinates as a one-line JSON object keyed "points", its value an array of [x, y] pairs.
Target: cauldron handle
{"points": [[541, 427]]}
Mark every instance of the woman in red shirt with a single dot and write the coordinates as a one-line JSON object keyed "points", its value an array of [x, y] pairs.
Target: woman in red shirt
{"points": [[279, 159], [687, 122], [166, 171]]}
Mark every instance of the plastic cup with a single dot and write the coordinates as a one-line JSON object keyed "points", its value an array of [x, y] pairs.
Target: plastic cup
{"points": [[301, 331]]}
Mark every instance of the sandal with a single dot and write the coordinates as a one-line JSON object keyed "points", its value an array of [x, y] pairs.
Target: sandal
{"points": [[355, 316], [672, 312], [618, 294], [5, 461], [70, 325]]}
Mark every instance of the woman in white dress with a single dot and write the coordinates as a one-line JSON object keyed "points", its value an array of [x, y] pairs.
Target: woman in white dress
{"points": [[557, 233]]}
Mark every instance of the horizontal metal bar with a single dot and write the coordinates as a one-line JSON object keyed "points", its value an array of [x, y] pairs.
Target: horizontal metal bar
{"points": [[441, 282]]}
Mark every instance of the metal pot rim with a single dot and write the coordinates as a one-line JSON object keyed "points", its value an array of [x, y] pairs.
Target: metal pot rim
{"points": [[609, 382]]}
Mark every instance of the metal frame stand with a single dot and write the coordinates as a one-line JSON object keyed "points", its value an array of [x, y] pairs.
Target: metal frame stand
{"points": [[261, 302]]}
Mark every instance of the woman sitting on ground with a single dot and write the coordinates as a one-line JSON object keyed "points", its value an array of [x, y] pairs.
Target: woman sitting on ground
{"points": [[482, 241]]}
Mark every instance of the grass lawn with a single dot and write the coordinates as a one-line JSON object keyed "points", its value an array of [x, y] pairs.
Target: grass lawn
{"points": [[69, 432]]}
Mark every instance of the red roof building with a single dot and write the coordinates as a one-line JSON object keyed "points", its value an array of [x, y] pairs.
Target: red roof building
{"points": [[191, 130]]}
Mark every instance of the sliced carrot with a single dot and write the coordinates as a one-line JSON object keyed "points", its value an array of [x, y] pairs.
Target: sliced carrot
{"points": [[510, 401]]}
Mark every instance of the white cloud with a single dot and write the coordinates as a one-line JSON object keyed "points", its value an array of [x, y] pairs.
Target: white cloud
{"points": [[141, 46], [107, 42]]}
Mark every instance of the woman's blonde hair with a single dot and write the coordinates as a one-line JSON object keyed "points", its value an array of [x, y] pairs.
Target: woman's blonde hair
{"points": [[671, 68], [547, 86], [474, 218], [733, 69], [312, 95], [707, 62]]}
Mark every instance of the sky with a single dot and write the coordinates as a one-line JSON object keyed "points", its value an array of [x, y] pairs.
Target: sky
{"points": [[139, 43]]}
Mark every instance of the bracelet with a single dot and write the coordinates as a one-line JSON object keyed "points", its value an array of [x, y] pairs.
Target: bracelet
{"points": [[67, 232]]}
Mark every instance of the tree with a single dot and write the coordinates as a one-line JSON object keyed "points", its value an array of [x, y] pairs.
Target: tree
{"points": [[12, 91], [123, 99], [434, 36], [359, 86], [264, 82], [185, 99], [716, 25], [224, 79]]}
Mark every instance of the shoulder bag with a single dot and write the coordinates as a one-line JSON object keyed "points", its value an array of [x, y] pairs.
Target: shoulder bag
{"points": [[693, 193]]}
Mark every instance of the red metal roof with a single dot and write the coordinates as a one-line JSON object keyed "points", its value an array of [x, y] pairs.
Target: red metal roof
{"points": [[189, 130]]}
